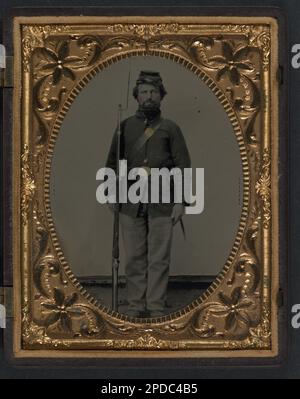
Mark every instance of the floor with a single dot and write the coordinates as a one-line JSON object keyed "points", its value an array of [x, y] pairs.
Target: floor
{"points": [[179, 295]]}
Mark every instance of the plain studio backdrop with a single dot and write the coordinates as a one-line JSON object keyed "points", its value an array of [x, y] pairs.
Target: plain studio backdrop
{"points": [[84, 227]]}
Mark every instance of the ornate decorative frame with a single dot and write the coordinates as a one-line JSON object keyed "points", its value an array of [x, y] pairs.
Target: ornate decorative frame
{"points": [[54, 58]]}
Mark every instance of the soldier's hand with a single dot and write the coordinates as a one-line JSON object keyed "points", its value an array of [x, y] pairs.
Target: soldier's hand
{"points": [[177, 213]]}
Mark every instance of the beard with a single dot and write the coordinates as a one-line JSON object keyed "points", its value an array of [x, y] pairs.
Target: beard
{"points": [[150, 109]]}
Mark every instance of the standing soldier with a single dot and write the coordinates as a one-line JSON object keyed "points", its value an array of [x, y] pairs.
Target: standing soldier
{"points": [[149, 141]]}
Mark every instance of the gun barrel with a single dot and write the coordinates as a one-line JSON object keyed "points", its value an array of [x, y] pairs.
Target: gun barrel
{"points": [[115, 271], [115, 250]]}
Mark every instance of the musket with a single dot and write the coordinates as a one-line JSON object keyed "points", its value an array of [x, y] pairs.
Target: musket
{"points": [[116, 227]]}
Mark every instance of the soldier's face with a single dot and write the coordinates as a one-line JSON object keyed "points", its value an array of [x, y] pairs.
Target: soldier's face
{"points": [[148, 96]]}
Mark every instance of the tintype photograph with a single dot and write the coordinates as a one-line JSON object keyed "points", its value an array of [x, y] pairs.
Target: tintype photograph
{"points": [[145, 197], [180, 109]]}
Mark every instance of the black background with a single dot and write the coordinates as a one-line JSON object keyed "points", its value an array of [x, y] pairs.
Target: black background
{"points": [[288, 366]]}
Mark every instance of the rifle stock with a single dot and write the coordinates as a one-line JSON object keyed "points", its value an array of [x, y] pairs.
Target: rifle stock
{"points": [[115, 259]]}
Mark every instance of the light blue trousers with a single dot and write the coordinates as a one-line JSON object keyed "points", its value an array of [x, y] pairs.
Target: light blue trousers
{"points": [[147, 243]]}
